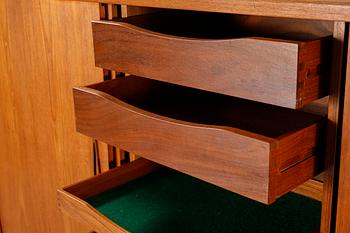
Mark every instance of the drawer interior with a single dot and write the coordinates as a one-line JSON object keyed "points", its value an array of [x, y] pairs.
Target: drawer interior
{"points": [[169, 201], [208, 25], [207, 108]]}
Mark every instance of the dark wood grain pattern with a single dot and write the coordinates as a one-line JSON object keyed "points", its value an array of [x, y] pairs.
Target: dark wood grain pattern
{"points": [[337, 10], [240, 145], [282, 68]]}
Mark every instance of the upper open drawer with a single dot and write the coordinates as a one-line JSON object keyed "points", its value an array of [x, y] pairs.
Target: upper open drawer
{"points": [[257, 150], [274, 61]]}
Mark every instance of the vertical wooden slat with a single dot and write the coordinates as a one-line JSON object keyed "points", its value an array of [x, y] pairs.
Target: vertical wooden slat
{"points": [[97, 160], [111, 157], [343, 211], [107, 155], [112, 12], [133, 157], [94, 156], [124, 11], [103, 10], [120, 155], [333, 131], [104, 156]]}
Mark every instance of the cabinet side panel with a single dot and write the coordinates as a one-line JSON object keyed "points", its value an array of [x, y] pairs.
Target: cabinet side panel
{"points": [[45, 50]]}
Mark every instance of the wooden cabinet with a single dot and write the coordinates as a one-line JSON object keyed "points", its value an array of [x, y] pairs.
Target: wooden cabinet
{"points": [[109, 111], [46, 48]]}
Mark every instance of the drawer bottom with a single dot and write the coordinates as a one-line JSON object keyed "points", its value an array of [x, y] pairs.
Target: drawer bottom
{"points": [[169, 201], [145, 197]]}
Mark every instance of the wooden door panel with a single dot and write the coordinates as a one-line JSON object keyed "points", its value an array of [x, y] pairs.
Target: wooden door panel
{"points": [[45, 50]]}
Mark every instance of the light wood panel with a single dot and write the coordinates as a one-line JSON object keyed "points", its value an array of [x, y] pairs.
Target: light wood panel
{"points": [[45, 50], [343, 213], [104, 156], [308, 9]]}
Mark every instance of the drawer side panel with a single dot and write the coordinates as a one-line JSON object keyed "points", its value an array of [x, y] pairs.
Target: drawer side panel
{"points": [[225, 158], [257, 69]]}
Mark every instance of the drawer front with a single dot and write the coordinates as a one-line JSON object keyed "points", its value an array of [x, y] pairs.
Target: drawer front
{"points": [[144, 197], [286, 73], [256, 165]]}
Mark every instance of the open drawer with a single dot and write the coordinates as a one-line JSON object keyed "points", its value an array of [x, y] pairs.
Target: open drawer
{"points": [[277, 61], [257, 150], [144, 197]]}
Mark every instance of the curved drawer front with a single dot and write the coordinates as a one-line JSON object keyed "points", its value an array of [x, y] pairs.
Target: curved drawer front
{"points": [[287, 73], [152, 197], [240, 145]]}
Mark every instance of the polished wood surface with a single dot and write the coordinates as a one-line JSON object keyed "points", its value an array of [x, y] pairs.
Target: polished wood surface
{"points": [[213, 137], [334, 126], [219, 54], [41, 58], [312, 189], [45, 49], [337, 10], [71, 199], [112, 178], [343, 213]]}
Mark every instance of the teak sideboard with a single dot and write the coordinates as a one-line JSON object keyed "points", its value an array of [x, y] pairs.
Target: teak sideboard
{"points": [[247, 96], [138, 45]]}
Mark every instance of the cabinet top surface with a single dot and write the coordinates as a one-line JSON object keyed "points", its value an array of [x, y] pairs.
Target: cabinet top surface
{"points": [[335, 10]]}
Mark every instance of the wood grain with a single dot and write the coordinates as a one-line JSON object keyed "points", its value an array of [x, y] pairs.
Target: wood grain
{"points": [[276, 71], [104, 156], [112, 178], [312, 189], [83, 212], [45, 50], [336, 10], [71, 199], [229, 146], [343, 214], [286, 181], [333, 136]]}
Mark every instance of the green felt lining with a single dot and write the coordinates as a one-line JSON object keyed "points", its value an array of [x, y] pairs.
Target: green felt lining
{"points": [[170, 202]]}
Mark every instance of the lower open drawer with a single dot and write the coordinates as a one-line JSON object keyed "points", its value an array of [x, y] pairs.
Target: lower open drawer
{"points": [[144, 197], [257, 150]]}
